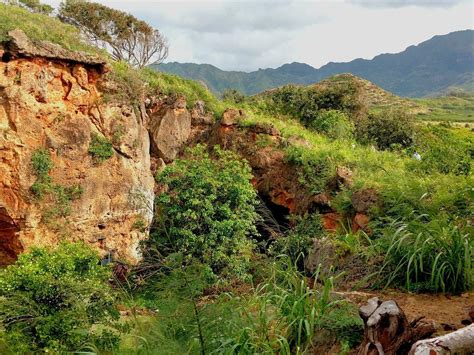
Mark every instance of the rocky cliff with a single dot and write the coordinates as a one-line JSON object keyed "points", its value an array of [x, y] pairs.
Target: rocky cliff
{"points": [[51, 100], [78, 157]]}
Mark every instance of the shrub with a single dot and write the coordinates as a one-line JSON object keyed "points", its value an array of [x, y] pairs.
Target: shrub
{"points": [[100, 148], [207, 210], [334, 124], [233, 96], [387, 128], [41, 163], [55, 300]]}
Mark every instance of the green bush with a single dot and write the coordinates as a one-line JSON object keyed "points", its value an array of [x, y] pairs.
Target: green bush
{"points": [[307, 103], [58, 300], [100, 148], [334, 124], [207, 210], [387, 128]]}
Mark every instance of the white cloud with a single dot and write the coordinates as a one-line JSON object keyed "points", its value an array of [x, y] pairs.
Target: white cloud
{"points": [[247, 35]]}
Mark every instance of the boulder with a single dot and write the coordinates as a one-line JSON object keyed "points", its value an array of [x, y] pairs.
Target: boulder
{"points": [[342, 179], [360, 222], [170, 128], [232, 116], [363, 200], [199, 115]]}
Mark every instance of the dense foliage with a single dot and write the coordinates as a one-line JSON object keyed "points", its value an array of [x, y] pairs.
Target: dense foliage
{"points": [[54, 299], [207, 210], [387, 128]]}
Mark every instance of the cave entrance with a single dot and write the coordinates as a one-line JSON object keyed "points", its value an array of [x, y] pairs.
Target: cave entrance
{"points": [[10, 246], [275, 219]]}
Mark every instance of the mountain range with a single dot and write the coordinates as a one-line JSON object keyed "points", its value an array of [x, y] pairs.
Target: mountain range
{"points": [[430, 68]]}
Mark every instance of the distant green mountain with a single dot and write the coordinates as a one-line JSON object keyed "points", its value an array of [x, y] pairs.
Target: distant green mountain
{"points": [[429, 68]]}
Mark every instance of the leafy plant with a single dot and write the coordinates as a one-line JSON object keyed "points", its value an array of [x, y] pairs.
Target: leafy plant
{"points": [[58, 300], [443, 150], [207, 210], [100, 148]]}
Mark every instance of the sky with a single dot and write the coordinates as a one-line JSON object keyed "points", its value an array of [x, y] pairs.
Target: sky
{"points": [[248, 35]]}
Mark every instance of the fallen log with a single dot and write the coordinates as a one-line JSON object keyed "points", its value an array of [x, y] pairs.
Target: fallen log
{"points": [[387, 330], [460, 341]]}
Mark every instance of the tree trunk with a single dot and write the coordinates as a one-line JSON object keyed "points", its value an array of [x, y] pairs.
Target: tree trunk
{"points": [[459, 342], [387, 330]]}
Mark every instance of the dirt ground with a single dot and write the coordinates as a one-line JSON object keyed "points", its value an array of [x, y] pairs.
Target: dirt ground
{"points": [[444, 310]]}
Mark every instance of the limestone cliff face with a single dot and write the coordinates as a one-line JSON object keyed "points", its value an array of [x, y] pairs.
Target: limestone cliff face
{"points": [[56, 104]]}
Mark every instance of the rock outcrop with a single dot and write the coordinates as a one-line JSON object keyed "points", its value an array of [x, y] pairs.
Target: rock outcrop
{"points": [[50, 99], [170, 128]]}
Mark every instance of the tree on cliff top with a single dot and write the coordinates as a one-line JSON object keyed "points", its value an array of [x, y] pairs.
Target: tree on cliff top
{"points": [[123, 35]]}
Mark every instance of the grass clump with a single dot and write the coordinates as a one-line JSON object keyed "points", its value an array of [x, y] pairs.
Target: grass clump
{"points": [[170, 84], [100, 148], [40, 27], [433, 259], [58, 300]]}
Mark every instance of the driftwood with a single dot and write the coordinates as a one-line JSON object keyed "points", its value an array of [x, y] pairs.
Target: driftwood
{"points": [[458, 342], [387, 330]]}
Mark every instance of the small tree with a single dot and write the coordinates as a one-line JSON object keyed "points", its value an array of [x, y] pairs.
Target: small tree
{"points": [[123, 35], [208, 210]]}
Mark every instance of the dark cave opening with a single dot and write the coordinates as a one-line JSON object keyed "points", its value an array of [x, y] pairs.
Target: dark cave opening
{"points": [[274, 219], [10, 246]]}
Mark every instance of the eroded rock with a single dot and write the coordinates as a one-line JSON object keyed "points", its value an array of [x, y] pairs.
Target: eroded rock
{"points": [[170, 128], [50, 99], [232, 116]]}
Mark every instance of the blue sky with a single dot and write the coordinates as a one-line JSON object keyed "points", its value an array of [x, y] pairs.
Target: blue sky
{"points": [[247, 35]]}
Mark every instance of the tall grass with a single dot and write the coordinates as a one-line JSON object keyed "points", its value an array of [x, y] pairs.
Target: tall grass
{"points": [[436, 258]]}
